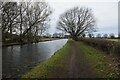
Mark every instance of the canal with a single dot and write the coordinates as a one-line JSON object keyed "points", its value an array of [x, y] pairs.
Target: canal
{"points": [[16, 60]]}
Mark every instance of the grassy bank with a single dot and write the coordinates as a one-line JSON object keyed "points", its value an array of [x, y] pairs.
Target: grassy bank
{"points": [[18, 43], [104, 67], [56, 66]]}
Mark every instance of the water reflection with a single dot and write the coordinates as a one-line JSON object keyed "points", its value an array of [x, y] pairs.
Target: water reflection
{"points": [[19, 59]]}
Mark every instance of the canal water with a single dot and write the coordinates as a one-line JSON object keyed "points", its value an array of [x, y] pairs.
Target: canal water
{"points": [[16, 60]]}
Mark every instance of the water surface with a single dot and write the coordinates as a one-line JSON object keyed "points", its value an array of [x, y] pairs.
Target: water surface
{"points": [[16, 60]]}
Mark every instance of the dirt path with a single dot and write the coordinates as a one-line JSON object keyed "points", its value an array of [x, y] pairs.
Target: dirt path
{"points": [[81, 68], [73, 69]]}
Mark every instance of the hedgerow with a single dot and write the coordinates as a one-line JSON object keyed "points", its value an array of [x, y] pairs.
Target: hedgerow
{"points": [[104, 45]]}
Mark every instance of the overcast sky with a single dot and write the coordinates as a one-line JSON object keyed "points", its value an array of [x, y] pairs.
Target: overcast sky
{"points": [[105, 12]]}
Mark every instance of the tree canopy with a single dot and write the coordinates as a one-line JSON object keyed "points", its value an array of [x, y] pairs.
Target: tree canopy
{"points": [[24, 19], [77, 21]]}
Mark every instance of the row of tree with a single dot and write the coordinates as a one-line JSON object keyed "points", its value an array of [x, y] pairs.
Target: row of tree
{"points": [[100, 35], [24, 20]]}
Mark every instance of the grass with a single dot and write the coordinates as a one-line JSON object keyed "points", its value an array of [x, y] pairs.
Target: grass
{"points": [[56, 66], [116, 40], [103, 66]]}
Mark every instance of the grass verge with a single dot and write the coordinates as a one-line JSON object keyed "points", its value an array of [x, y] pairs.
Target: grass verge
{"points": [[56, 66], [103, 67]]}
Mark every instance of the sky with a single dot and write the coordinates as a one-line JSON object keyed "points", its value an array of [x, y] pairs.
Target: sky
{"points": [[105, 12]]}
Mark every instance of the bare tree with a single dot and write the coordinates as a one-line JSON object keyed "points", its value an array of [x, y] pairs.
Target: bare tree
{"points": [[12, 17], [1, 3], [119, 35], [112, 35], [91, 35], [83, 35], [24, 18], [77, 21], [36, 14], [21, 19], [42, 26], [98, 35], [105, 35], [9, 14]]}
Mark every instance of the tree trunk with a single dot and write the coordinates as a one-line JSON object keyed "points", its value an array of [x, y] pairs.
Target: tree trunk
{"points": [[75, 38], [20, 26], [11, 40], [3, 37], [29, 37]]}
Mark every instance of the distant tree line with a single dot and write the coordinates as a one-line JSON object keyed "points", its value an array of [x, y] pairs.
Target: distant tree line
{"points": [[23, 21], [112, 35]]}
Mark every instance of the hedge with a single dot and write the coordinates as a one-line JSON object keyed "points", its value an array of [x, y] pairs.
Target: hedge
{"points": [[110, 47]]}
